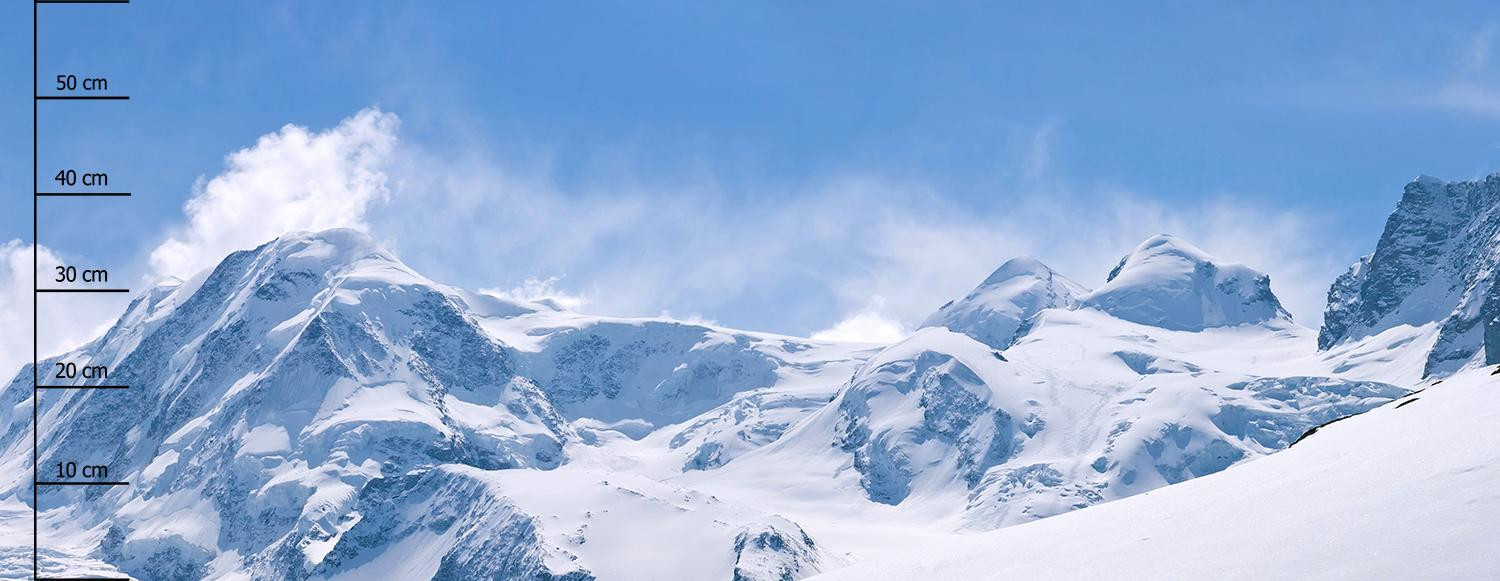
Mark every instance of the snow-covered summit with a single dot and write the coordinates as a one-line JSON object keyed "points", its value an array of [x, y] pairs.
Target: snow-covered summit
{"points": [[331, 247], [1169, 283], [271, 390], [993, 311]]}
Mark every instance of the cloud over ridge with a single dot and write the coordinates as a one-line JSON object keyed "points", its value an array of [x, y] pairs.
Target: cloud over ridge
{"points": [[293, 179], [854, 256]]}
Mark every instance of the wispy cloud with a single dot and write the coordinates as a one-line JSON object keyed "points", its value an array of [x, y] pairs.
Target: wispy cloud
{"points": [[1467, 97], [857, 256], [866, 325], [534, 289], [1473, 87], [813, 257], [1460, 77], [293, 179], [923, 260]]}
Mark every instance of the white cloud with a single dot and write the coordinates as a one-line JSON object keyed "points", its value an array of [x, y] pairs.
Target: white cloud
{"points": [[67, 320], [794, 259], [867, 325], [693, 319], [293, 179], [1037, 162], [923, 257], [808, 256], [1465, 81]]}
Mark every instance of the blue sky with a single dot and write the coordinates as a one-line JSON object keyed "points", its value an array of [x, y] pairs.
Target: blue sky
{"points": [[775, 166]]}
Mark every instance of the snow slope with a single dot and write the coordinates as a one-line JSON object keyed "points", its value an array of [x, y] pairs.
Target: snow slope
{"points": [[1406, 491]]}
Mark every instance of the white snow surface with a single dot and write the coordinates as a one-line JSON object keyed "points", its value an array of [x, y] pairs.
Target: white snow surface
{"points": [[1406, 491]]}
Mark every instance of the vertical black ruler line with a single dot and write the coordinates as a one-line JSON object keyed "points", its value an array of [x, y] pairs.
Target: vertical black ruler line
{"points": [[36, 426]]}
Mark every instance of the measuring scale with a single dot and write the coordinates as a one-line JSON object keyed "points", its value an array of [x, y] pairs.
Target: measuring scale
{"points": [[67, 279]]}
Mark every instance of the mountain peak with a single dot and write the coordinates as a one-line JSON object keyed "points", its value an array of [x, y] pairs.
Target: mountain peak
{"points": [[993, 311], [1170, 283], [1158, 248], [1019, 266], [1427, 180], [329, 248], [1438, 261]]}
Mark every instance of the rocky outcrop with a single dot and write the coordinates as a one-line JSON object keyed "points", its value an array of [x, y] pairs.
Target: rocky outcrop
{"points": [[1437, 262]]}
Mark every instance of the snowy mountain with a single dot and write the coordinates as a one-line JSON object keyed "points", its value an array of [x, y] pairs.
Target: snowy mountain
{"points": [[1434, 270], [315, 409], [267, 394]]}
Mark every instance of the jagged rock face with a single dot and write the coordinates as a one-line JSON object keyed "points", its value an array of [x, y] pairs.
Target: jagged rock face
{"points": [[996, 309], [1166, 282], [1436, 262]]}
